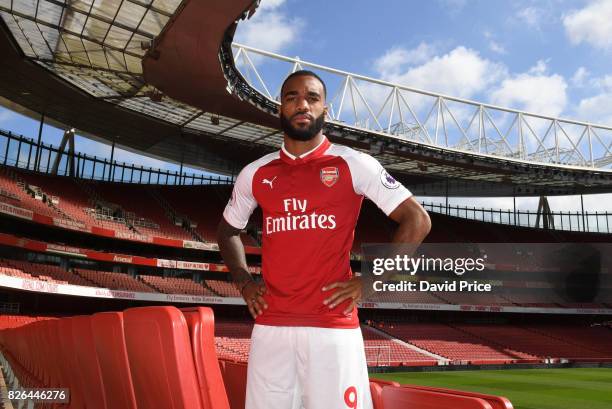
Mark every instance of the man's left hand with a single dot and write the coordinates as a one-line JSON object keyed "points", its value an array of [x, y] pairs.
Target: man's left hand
{"points": [[346, 290]]}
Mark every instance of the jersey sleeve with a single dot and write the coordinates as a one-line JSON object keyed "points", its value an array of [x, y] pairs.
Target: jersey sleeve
{"points": [[371, 180], [242, 203]]}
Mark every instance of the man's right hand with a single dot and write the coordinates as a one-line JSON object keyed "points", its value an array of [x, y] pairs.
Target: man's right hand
{"points": [[253, 295]]}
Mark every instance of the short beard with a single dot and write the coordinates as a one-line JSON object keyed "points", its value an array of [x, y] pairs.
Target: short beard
{"points": [[302, 134]]}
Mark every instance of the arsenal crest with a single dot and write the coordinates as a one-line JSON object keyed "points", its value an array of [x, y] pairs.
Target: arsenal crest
{"points": [[329, 176]]}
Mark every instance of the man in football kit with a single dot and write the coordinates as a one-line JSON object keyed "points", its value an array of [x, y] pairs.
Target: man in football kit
{"points": [[306, 347]]}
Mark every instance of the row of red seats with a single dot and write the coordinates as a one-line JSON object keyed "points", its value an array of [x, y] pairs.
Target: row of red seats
{"points": [[14, 321], [149, 357], [571, 342], [73, 201], [177, 285], [40, 271], [17, 196], [162, 357], [140, 202], [114, 281]]}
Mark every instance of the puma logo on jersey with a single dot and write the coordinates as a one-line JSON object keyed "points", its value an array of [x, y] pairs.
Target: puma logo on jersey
{"points": [[269, 182]]}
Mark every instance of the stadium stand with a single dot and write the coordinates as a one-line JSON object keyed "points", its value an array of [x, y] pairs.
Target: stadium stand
{"points": [[455, 344], [130, 209], [233, 343], [223, 288], [45, 272], [176, 285], [594, 338], [113, 281], [148, 283], [156, 357], [233, 339], [533, 341], [184, 212], [19, 193], [382, 350], [140, 210], [198, 203]]}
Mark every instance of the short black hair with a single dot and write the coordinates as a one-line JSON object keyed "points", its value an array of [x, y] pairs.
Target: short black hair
{"points": [[304, 73]]}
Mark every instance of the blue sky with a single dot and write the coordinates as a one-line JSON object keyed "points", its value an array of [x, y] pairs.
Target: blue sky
{"points": [[550, 56]]}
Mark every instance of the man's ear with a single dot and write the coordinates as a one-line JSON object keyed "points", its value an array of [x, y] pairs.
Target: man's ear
{"points": [[326, 112]]}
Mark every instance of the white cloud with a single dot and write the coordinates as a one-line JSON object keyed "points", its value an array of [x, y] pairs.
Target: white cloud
{"points": [[396, 58], [596, 109], [270, 5], [461, 72], [540, 68], [591, 24], [531, 16], [579, 79], [603, 83], [270, 28], [533, 91], [494, 46]]}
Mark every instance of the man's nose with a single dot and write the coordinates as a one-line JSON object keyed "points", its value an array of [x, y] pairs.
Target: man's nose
{"points": [[302, 105]]}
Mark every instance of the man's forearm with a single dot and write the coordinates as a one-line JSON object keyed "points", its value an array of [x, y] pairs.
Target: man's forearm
{"points": [[232, 251]]}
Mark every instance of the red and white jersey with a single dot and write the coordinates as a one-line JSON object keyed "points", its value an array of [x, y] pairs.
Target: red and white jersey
{"points": [[310, 208]]}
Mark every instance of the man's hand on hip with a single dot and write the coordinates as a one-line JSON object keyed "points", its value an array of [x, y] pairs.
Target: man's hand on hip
{"points": [[253, 295], [346, 290]]}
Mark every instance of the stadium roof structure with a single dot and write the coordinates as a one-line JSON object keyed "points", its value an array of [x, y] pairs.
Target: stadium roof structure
{"points": [[163, 78]]}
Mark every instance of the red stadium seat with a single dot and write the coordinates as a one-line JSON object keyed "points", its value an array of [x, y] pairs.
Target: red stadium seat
{"points": [[235, 378], [161, 361], [376, 392], [112, 354], [69, 364], [201, 323], [496, 402], [51, 349], [376, 387], [89, 367], [406, 398], [384, 382]]}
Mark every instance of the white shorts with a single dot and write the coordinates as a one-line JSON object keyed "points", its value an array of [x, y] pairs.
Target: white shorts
{"points": [[307, 368]]}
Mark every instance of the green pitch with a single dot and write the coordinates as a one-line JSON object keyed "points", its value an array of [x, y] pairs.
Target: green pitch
{"points": [[577, 388]]}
